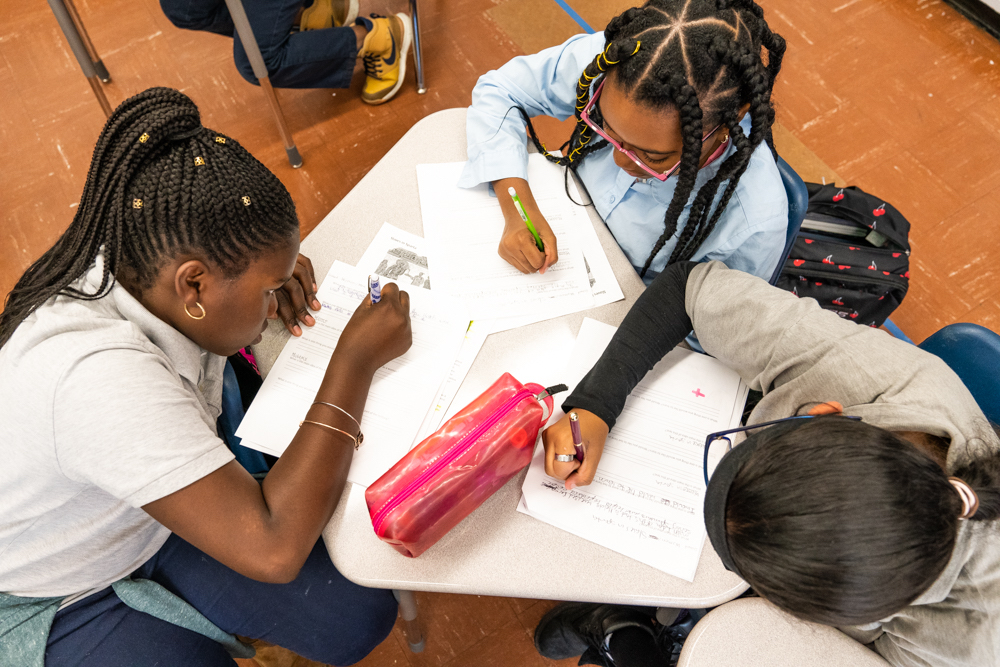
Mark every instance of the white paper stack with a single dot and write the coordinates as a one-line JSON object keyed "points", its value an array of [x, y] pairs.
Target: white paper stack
{"points": [[400, 393], [463, 228], [646, 500]]}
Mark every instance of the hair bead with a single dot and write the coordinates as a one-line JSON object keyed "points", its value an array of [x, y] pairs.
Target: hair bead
{"points": [[144, 138], [136, 203], [199, 161], [220, 140], [246, 200]]}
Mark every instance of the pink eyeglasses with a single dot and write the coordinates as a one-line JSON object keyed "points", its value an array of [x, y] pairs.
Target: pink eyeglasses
{"points": [[585, 115]]}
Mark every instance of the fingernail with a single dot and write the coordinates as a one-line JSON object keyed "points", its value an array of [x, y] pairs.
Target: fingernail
{"points": [[296, 330], [309, 320], [315, 287], [570, 485], [316, 304]]}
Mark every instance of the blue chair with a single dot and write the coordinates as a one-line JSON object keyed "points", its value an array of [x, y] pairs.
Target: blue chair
{"points": [[798, 202], [973, 352]]}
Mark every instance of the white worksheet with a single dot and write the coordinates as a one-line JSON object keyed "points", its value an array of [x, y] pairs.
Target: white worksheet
{"points": [[399, 256], [646, 499], [475, 336], [400, 395], [463, 228], [603, 285]]}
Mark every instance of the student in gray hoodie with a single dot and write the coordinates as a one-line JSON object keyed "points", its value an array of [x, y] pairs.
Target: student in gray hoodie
{"points": [[884, 527]]}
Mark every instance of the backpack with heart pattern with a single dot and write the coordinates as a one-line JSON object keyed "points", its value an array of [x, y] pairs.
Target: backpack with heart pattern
{"points": [[851, 254]]}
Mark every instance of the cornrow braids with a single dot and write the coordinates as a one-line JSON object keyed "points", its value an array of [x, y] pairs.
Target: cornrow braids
{"points": [[159, 184], [704, 58]]}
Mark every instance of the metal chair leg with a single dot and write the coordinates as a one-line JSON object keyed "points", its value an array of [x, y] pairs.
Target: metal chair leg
{"points": [[417, 54], [239, 17], [76, 44], [102, 71], [411, 624]]}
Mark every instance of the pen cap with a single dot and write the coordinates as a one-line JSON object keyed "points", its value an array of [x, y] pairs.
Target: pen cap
{"points": [[511, 191]]}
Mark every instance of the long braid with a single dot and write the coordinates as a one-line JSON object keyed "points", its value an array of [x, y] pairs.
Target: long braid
{"points": [[685, 99], [754, 79], [158, 184]]}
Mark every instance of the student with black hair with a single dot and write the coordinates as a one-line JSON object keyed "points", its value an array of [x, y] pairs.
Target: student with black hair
{"points": [[883, 524], [128, 534], [672, 139]]}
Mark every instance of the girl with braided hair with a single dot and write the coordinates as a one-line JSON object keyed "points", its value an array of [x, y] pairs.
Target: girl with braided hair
{"points": [[128, 533], [672, 140]]}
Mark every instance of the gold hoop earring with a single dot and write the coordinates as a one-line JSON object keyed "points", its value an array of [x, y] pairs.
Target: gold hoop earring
{"points": [[200, 317]]}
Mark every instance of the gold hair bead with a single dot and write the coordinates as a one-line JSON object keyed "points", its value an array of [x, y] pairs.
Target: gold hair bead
{"points": [[199, 161], [246, 200], [637, 44], [144, 138], [220, 140], [136, 203]]}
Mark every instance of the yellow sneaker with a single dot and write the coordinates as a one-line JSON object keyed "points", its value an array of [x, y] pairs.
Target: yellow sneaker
{"points": [[384, 53], [328, 14]]}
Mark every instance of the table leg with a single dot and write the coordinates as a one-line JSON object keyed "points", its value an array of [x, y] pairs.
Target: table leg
{"points": [[411, 624]]}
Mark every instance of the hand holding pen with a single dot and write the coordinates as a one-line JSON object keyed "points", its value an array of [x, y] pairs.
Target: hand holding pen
{"points": [[527, 242], [573, 447]]}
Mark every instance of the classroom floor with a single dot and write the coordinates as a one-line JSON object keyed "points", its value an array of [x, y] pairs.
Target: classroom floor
{"points": [[900, 97]]}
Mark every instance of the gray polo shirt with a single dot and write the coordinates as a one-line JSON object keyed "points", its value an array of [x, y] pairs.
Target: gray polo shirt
{"points": [[798, 353], [103, 409]]}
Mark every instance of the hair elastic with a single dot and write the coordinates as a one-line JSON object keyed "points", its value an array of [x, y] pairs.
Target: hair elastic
{"points": [[187, 134], [970, 501]]}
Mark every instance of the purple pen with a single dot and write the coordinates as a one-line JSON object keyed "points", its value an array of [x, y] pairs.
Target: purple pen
{"points": [[574, 427], [374, 288]]}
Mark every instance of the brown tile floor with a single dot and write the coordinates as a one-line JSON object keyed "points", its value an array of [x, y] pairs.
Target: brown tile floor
{"points": [[901, 97]]}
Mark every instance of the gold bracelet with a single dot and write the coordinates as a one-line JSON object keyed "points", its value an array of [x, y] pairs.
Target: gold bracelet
{"points": [[357, 440], [337, 407]]}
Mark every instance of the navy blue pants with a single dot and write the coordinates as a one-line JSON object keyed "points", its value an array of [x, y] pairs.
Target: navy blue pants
{"points": [[321, 616], [312, 59]]}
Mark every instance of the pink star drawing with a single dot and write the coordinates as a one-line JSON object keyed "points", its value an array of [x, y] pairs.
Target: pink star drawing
{"points": [[697, 392]]}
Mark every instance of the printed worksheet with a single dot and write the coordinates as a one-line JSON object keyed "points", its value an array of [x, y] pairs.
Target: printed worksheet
{"points": [[401, 393], [463, 228], [646, 500]]}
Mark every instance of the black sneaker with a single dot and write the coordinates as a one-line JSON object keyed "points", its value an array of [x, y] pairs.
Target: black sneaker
{"points": [[580, 628]]}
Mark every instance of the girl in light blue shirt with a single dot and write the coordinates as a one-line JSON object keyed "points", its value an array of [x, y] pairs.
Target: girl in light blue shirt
{"points": [[672, 140]]}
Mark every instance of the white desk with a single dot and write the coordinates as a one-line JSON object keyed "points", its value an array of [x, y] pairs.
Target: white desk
{"points": [[496, 550]]}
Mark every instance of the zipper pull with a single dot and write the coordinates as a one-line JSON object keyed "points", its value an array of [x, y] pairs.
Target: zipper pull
{"points": [[549, 391]]}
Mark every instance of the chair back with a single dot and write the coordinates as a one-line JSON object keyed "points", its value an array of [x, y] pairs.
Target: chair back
{"points": [[973, 352], [798, 202]]}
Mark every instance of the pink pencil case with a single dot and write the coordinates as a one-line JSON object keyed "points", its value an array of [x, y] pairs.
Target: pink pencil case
{"points": [[454, 470]]}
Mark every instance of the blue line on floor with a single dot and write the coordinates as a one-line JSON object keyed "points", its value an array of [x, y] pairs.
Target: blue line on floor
{"points": [[897, 332], [576, 17]]}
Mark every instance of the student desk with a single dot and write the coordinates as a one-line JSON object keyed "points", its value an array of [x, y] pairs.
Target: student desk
{"points": [[496, 550]]}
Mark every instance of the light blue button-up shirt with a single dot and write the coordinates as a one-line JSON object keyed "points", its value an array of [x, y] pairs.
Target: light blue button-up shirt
{"points": [[750, 235]]}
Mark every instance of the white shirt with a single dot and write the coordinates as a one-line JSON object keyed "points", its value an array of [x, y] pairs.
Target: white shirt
{"points": [[103, 409]]}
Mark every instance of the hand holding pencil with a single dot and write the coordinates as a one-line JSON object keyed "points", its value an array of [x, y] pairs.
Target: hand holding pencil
{"points": [[522, 235]]}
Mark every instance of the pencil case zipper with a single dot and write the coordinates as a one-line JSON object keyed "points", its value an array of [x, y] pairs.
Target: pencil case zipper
{"points": [[460, 448]]}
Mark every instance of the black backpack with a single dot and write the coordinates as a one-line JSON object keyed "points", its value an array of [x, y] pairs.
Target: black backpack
{"points": [[851, 255]]}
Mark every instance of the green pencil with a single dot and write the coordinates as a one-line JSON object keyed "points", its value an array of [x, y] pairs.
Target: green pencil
{"points": [[527, 220]]}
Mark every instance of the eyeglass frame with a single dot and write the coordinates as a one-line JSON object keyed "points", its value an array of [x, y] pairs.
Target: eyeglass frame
{"points": [[720, 435], [585, 117]]}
